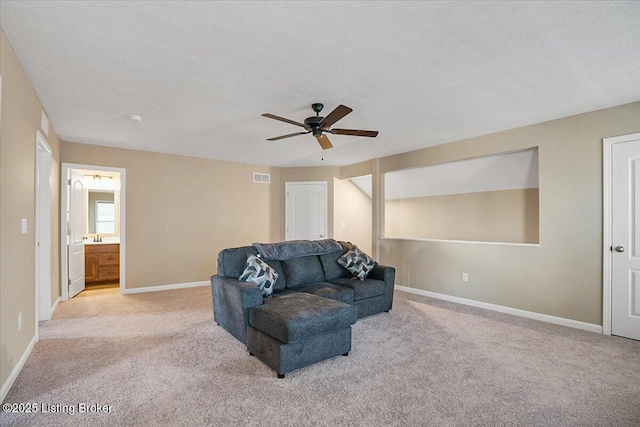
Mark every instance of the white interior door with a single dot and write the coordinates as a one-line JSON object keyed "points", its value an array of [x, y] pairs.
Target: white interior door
{"points": [[625, 284], [306, 210], [76, 234]]}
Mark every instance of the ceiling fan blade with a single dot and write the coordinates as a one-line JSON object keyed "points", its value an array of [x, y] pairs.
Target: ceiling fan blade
{"points": [[355, 132], [276, 138], [324, 141], [339, 112], [282, 119]]}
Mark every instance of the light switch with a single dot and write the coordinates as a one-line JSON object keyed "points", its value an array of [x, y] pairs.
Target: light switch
{"points": [[343, 224], [23, 226]]}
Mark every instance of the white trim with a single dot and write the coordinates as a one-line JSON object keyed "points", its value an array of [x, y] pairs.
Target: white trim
{"points": [[64, 201], [327, 233], [165, 287], [43, 232], [507, 310], [607, 224], [16, 370], [55, 306], [419, 239]]}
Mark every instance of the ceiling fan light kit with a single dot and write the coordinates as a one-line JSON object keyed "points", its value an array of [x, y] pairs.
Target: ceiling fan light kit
{"points": [[319, 126]]}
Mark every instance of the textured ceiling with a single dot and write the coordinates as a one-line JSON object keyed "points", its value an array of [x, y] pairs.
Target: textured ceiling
{"points": [[422, 73]]}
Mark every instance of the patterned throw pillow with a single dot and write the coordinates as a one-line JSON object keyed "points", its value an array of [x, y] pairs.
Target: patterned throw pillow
{"points": [[357, 262], [259, 273]]}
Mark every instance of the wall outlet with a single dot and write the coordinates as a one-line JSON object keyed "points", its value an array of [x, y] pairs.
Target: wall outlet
{"points": [[465, 277], [20, 321], [343, 224]]}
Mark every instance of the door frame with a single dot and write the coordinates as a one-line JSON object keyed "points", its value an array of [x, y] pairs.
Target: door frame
{"points": [[64, 202], [287, 186], [43, 231], [607, 224]]}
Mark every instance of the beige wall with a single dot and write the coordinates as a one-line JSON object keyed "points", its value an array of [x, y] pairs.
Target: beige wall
{"points": [[21, 117], [356, 170], [493, 216], [353, 207], [563, 275], [181, 211]]}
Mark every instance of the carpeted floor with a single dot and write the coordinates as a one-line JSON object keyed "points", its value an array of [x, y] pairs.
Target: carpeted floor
{"points": [[159, 359]]}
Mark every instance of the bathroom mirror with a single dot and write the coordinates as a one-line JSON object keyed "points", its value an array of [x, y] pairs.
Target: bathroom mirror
{"points": [[101, 212]]}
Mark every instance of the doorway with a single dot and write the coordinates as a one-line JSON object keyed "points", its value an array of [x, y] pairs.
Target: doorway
{"points": [[306, 210], [621, 260], [92, 205]]}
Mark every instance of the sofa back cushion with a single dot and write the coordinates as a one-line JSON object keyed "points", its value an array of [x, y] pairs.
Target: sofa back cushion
{"points": [[332, 270], [277, 266], [302, 271], [231, 263]]}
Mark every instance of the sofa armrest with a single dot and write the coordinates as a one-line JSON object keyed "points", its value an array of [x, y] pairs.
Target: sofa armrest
{"points": [[388, 275], [383, 272], [232, 300]]}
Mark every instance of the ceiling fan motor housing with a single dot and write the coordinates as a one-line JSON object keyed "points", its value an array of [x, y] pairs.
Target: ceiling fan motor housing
{"points": [[313, 122]]}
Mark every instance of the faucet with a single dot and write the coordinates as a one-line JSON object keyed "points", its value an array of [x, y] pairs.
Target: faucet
{"points": [[97, 238]]}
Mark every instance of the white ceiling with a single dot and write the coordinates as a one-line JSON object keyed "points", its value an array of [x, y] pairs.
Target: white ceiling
{"points": [[422, 73]]}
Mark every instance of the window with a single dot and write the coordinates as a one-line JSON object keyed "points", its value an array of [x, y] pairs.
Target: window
{"points": [[105, 217]]}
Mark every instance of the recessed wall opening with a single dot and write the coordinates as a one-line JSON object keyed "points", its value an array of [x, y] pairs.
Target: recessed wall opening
{"points": [[493, 198]]}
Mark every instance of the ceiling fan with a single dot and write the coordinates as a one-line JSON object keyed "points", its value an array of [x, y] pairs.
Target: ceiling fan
{"points": [[319, 125]]}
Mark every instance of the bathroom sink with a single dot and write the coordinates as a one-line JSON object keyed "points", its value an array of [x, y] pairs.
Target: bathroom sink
{"points": [[105, 241]]}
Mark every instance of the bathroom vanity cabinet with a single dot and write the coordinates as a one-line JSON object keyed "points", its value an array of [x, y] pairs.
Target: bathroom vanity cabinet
{"points": [[101, 263]]}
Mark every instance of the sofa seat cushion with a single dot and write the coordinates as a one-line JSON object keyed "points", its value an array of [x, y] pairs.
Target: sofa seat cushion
{"points": [[295, 316], [362, 289], [328, 290], [303, 270]]}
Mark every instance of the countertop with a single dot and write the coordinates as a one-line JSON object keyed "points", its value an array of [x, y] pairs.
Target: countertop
{"points": [[104, 242]]}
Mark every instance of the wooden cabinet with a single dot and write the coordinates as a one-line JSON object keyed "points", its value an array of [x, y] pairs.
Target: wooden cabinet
{"points": [[101, 263]]}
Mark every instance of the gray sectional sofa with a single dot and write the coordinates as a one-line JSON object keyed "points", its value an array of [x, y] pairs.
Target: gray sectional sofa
{"points": [[309, 316]]}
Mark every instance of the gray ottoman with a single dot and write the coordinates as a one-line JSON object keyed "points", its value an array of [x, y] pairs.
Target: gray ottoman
{"points": [[297, 329]]}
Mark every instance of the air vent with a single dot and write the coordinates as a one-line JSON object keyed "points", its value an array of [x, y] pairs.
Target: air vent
{"points": [[262, 178]]}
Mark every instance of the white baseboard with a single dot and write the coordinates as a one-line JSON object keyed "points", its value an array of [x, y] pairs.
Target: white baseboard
{"points": [[16, 370], [55, 306], [165, 287], [507, 310]]}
